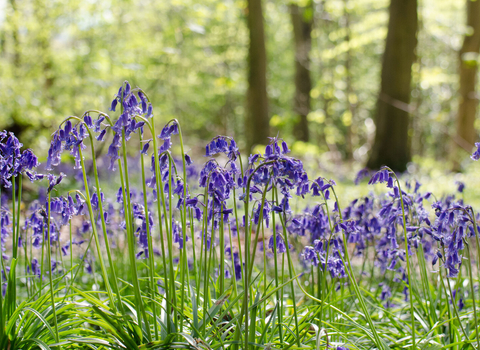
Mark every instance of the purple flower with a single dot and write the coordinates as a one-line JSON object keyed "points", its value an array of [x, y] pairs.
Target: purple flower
{"points": [[222, 144], [379, 177], [169, 130], [145, 148], [54, 181], [460, 186], [361, 175], [14, 162], [281, 247], [309, 254], [188, 160], [476, 154]]}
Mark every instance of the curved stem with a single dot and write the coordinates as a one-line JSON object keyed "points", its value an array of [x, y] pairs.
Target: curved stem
{"points": [[150, 246], [49, 259], [410, 287], [160, 204], [104, 227], [131, 243], [472, 290], [354, 282], [95, 233]]}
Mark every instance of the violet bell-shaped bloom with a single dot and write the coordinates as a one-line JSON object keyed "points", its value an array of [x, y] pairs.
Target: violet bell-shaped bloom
{"points": [[222, 144], [126, 122], [476, 155], [14, 162], [54, 180], [67, 139]]}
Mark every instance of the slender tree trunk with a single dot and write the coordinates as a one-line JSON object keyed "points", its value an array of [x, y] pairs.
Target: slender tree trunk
{"points": [[302, 30], [467, 109], [391, 146], [257, 120], [349, 89], [43, 40], [15, 125]]}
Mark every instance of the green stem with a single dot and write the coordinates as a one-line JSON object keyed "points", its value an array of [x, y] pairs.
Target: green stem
{"points": [[410, 287], [14, 218], [161, 204], [71, 253], [476, 242], [151, 270], [94, 230], [352, 279], [222, 253], [279, 300], [100, 209], [131, 244], [454, 302], [472, 290], [104, 229], [184, 221], [290, 272], [49, 261], [170, 244]]}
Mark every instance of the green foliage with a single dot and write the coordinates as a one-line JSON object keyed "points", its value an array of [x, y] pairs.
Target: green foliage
{"points": [[56, 57]]}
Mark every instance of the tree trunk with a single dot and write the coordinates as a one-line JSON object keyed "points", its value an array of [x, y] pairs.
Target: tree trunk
{"points": [[349, 89], [43, 39], [467, 109], [15, 124], [302, 30], [257, 120], [391, 146]]}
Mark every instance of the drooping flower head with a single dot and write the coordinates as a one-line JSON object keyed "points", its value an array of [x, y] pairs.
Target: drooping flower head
{"points": [[222, 144], [13, 161], [70, 138], [54, 180], [284, 172]]}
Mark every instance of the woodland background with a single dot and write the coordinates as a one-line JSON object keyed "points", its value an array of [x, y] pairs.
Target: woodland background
{"points": [[371, 81]]}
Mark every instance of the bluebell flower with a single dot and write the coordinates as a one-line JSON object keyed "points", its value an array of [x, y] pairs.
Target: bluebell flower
{"points": [[169, 130], [309, 254], [361, 175], [476, 154], [145, 147], [67, 139], [380, 176], [101, 136], [281, 247], [54, 180], [88, 120], [386, 292], [460, 186], [34, 267], [188, 159], [13, 161]]}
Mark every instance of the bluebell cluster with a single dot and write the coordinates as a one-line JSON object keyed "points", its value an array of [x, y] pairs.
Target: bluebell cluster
{"points": [[212, 192], [14, 162]]}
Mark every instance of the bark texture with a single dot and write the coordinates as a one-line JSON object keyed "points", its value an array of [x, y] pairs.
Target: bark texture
{"points": [[467, 109], [391, 146], [257, 120], [302, 30]]}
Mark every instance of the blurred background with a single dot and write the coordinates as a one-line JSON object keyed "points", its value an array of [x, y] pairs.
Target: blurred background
{"points": [[369, 82]]}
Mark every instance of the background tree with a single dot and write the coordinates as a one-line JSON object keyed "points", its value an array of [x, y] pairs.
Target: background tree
{"points": [[257, 121], [193, 58], [468, 57], [302, 18], [349, 92], [391, 146], [16, 125]]}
